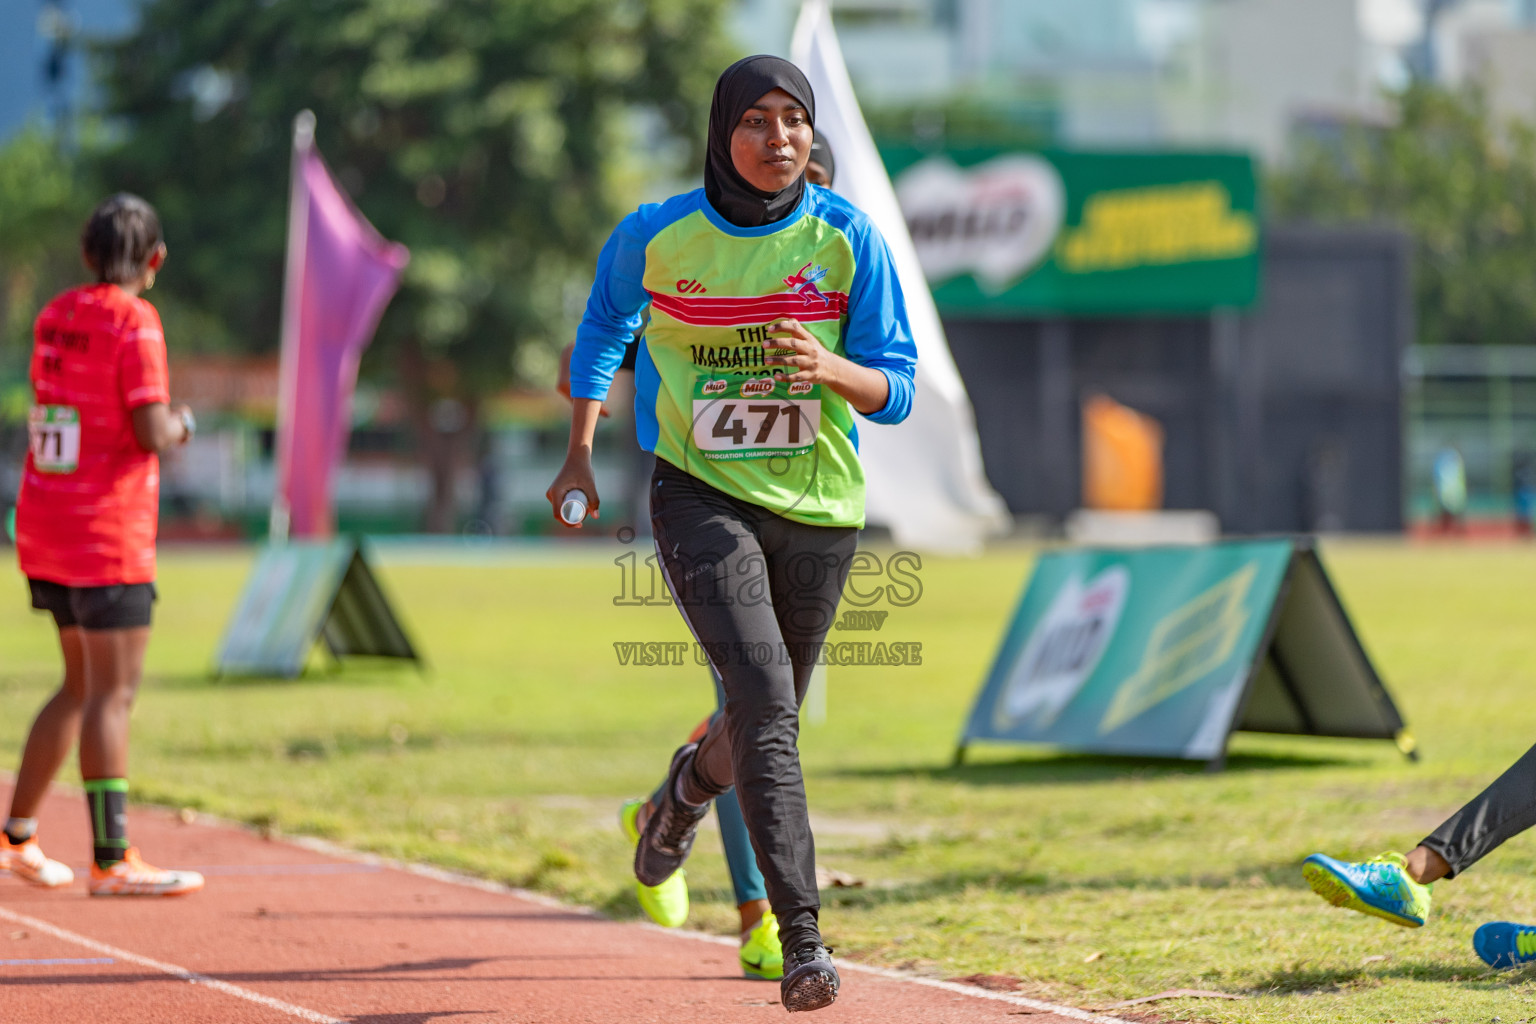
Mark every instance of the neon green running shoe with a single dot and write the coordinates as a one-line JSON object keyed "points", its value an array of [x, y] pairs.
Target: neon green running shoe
{"points": [[761, 954], [667, 903], [1379, 887]]}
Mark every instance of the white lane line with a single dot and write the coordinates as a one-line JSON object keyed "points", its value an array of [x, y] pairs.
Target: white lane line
{"points": [[164, 968], [212, 870], [975, 991], [469, 881]]}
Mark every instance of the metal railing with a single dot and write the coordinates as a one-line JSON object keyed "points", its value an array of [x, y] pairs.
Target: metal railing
{"points": [[1481, 401]]}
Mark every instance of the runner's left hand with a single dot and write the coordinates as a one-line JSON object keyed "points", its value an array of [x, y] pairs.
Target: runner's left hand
{"points": [[808, 359]]}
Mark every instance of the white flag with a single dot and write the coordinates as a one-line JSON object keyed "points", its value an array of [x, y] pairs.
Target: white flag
{"points": [[926, 481]]}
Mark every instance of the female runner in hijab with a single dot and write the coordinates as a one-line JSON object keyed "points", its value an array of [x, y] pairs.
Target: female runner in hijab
{"points": [[760, 954], [775, 315]]}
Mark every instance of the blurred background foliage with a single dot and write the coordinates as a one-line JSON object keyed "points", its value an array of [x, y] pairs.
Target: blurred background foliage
{"points": [[500, 144], [1462, 184], [45, 192]]}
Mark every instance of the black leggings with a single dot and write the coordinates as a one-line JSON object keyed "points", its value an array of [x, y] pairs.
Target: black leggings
{"points": [[759, 593], [1499, 813]]}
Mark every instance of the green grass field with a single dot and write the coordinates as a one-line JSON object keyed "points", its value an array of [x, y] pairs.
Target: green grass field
{"points": [[1091, 880]]}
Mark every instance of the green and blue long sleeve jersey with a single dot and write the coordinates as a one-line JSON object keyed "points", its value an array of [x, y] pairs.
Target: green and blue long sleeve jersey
{"points": [[705, 401]]}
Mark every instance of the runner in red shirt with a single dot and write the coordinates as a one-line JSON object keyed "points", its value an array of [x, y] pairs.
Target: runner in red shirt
{"points": [[85, 534]]}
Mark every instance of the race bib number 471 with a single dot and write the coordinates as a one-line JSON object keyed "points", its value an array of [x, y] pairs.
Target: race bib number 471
{"points": [[754, 417], [54, 434]]}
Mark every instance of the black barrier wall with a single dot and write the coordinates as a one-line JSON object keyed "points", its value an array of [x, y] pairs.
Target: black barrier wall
{"points": [[1286, 417]]}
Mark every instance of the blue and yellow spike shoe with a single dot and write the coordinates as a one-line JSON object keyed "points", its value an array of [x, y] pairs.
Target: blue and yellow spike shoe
{"points": [[1505, 944], [667, 903], [761, 954], [1379, 887]]}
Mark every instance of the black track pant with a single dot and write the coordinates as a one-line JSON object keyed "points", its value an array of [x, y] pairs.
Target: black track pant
{"points": [[759, 593], [1499, 813]]}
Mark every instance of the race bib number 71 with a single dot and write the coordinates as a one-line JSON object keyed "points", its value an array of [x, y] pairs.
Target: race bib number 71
{"points": [[54, 434], [755, 417]]}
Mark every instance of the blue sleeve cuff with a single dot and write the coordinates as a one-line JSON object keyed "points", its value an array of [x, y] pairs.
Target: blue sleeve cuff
{"points": [[898, 403], [594, 361], [599, 393]]}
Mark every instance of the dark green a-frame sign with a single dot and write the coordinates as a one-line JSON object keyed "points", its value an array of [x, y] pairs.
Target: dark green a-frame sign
{"points": [[302, 592], [1165, 652]]}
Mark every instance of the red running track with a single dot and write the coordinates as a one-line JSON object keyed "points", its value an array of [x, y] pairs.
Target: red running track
{"points": [[288, 932]]}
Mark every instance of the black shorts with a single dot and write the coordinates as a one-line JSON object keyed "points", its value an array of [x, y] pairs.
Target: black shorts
{"points": [[119, 606]]}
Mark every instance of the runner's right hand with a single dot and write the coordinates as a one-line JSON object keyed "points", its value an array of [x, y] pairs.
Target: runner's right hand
{"points": [[177, 413], [576, 474]]}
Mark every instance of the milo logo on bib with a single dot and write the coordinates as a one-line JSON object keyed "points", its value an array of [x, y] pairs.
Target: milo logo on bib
{"points": [[755, 417]]}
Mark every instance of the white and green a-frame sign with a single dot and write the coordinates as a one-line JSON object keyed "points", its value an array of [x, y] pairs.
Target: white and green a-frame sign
{"points": [[1165, 652], [301, 593]]}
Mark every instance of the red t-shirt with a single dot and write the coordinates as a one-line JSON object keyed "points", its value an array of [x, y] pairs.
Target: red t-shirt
{"points": [[90, 497]]}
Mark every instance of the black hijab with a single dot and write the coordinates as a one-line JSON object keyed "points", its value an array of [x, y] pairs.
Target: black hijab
{"points": [[740, 86]]}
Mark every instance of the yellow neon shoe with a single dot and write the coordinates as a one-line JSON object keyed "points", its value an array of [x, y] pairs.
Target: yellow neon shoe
{"points": [[132, 877], [761, 954], [28, 863], [667, 903], [1379, 887]]}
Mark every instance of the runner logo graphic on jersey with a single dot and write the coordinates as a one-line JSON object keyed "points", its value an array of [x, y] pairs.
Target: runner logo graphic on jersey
{"points": [[803, 283]]}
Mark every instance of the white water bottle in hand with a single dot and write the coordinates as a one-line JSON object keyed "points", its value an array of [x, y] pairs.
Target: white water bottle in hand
{"points": [[573, 507]]}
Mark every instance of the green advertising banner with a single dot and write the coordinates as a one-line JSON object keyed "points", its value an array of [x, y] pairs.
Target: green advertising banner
{"points": [[301, 592], [1064, 232], [1165, 651]]}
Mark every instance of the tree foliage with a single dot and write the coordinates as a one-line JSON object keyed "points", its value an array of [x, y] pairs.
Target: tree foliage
{"points": [[493, 137], [1462, 185], [44, 202], [500, 140]]}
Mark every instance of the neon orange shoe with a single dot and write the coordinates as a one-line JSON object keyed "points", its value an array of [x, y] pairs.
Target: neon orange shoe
{"points": [[132, 877], [28, 863]]}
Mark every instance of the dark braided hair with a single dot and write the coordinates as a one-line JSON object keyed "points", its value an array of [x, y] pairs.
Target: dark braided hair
{"points": [[120, 237]]}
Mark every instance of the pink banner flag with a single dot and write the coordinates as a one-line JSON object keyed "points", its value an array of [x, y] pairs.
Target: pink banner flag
{"points": [[341, 274]]}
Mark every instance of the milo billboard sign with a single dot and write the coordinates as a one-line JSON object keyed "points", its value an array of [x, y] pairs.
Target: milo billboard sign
{"points": [[1063, 652], [1165, 651], [1078, 232], [995, 221]]}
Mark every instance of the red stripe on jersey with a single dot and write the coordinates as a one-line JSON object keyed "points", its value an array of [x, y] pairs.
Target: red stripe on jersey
{"points": [[748, 311]]}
